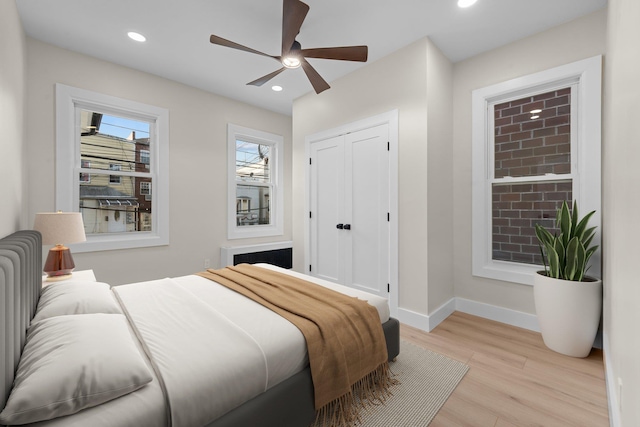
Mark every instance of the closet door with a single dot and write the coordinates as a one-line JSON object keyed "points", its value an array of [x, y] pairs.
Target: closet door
{"points": [[327, 209], [349, 203], [366, 210]]}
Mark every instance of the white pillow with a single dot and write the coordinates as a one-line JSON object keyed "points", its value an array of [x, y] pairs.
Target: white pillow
{"points": [[81, 297], [70, 363]]}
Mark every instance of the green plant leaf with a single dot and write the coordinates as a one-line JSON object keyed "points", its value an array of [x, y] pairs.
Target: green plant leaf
{"points": [[544, 258], [561, 251], [583, 225], [552, 256], [581, 262], [544, 237], [588, 236], [571, 260], [589, 252], [574, 218], [564, 222]]}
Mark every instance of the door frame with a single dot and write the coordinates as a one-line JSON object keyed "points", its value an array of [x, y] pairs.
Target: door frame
{"points": [[391, 119]]}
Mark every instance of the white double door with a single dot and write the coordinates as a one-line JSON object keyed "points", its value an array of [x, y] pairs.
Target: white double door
{"points": [[349, 209]]}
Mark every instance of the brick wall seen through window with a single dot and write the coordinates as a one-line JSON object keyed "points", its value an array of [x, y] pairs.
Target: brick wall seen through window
{"points": [[532, 139]]}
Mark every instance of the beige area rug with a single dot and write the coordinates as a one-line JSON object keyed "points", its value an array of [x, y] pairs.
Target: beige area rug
{"points": [[426, 381]]}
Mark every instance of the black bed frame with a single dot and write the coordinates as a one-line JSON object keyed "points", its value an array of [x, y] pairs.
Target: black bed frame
{"points": [[288, 404]]}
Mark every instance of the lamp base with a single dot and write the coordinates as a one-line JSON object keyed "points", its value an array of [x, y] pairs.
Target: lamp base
{"points": [[59, 264], [58, 278]]}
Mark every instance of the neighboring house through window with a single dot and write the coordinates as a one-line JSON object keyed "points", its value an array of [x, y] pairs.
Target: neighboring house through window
{"points": [[536, 143], [119, 152]]}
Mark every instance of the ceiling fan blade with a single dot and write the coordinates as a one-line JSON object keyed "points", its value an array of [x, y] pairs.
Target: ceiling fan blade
{"points": [[293, 14], [228, 43], [318, 83], [262, 80], [345, 53]]}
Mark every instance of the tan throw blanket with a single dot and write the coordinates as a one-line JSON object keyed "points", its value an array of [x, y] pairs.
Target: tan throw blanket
{"points": [[345, 341]]}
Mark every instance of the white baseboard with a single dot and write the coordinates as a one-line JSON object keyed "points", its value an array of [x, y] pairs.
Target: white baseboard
{"points": [[499, 314], [411, 318], [612, 389], [487, 311], [424, 322], [442, 313]]}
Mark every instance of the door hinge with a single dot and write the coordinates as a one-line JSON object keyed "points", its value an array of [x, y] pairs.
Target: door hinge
{"points": [[309, 214], [388, 146], [309, 160], [309, 268], [388, 288], [388, 217]]}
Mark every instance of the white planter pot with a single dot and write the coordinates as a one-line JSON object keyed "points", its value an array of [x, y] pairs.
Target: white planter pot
{"points": [[568, 313]]}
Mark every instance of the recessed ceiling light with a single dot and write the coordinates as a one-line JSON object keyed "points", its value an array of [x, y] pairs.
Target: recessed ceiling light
{"points": [[136, 36], [534, 117], [466, 3], [276, 88], [535, 111]]}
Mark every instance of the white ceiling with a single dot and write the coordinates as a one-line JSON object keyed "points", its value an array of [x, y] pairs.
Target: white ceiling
{"points": [[178, 33]]}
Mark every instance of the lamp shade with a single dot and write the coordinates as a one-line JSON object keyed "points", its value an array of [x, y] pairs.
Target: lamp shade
{"points": [[60, 227]]}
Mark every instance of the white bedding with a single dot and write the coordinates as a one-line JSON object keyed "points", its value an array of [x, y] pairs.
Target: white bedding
{"points": [[212, 348]]}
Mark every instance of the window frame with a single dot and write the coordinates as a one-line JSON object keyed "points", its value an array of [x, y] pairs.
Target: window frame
{"points": [[276, 198], [585, 158], [68, 102]]}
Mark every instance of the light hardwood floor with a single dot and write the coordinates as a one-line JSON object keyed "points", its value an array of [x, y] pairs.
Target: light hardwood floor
{"points": [[513, 379]]}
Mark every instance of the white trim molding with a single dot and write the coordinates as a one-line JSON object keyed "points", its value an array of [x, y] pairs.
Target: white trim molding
{"points": [[480, 309]]}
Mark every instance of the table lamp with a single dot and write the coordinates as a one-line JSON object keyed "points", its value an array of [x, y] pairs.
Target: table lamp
{"points": [[56, 228]]}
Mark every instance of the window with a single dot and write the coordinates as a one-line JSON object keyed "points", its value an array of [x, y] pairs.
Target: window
{"points": [[85, 178], [145, 188], [255, 205], [145, 158], [536, 143], [115, 179], [123, 147]]}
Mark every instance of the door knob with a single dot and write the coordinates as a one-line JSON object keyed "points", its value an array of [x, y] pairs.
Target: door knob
{"points": [[340, 226], [347, 226]]}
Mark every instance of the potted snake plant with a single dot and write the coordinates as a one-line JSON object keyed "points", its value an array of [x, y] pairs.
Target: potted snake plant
{"points": [[568, 302]]}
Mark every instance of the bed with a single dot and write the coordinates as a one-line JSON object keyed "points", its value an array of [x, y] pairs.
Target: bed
{"points": [[288, 398]]}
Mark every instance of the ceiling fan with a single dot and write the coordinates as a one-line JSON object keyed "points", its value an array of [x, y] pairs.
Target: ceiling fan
{"points": [[293, 56]]}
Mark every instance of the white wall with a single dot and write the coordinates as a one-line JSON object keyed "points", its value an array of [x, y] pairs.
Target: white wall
{"points": [[198, 159], [440, 170], [621, 233], [578, 39], [398, 81], [12, 106]]}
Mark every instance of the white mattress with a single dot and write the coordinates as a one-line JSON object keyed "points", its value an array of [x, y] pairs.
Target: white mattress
{"points": [[267, 340]]}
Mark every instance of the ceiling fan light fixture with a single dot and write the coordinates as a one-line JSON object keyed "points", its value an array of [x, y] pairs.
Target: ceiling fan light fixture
{"points": [[291, 62], [276, 88], [136, 36], [466, 3]]}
